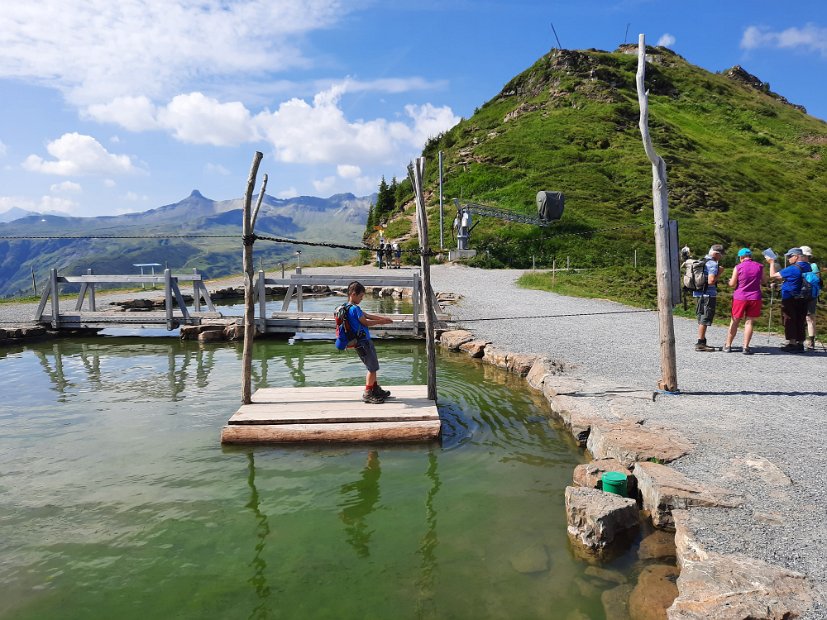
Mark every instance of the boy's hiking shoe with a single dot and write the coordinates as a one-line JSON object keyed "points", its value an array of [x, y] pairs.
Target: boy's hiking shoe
{"points": [[378, 391], [372, 398], [702, 346]]}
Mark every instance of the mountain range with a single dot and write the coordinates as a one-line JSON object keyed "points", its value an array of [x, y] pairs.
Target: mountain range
{"points": [[168, 235]]}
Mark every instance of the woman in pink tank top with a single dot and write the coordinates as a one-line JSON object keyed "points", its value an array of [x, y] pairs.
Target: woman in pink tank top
{"points": [[746, 298]]}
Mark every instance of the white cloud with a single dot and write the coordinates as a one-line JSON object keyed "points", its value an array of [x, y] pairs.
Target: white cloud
{"points": [[216, 169], [198, 119], [134, 197], [46, 203], [348, 171], [77, 154], [319, 132], [290, 192], [810, 38], [666, 40], [3, 149], [66, 186], [109, 183], [324, 187], [132, 113], [96, 50]]}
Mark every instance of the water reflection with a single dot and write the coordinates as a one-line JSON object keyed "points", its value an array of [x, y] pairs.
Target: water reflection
{"points": [[358, 501], [430, 540], [258, 563]]}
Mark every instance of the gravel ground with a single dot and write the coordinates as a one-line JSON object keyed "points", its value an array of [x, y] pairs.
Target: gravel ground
{"points": [[768, 407]]}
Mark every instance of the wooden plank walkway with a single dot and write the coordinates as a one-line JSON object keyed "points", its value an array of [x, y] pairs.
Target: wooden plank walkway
{"points": [[333, 414]]}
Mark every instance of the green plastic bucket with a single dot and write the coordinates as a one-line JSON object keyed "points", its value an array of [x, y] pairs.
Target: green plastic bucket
{"points": [[614, 482]]}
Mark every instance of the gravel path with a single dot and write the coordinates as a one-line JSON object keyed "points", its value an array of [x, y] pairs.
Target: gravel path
{"points": [[769, 407]]}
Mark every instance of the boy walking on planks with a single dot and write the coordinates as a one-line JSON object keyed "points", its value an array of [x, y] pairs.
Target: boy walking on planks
{"points": [[360, 321]]}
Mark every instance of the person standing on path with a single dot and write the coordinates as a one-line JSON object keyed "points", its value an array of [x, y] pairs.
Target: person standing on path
{"points": [[707, 299], [747, 277], [793, 307], [811, 306]]}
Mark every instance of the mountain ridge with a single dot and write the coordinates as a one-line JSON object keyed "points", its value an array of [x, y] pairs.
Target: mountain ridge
{"points": [[173, 234]]}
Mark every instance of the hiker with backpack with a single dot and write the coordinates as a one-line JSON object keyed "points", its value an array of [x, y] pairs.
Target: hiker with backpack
{"points": [[353, 331], [705, 275], [747, 277], [814, 277], [796, 293]]}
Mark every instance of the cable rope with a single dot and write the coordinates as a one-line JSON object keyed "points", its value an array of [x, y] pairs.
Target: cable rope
{"points": [[546, 316]]}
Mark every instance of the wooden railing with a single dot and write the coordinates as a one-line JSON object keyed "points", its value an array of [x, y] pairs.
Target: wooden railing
{"points": [[296, 282], [89, 281]]}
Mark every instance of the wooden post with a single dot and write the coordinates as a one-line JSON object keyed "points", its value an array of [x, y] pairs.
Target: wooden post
{"points": [[669, 373], [415, 290], [168, 296], [262, 301], [55, 298], [196, 292], [34, 284], [417, 173], [92, 305], [249, 307]]}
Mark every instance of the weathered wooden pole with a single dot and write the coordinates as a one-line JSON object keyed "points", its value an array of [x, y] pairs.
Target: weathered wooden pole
{"points": [[249, 304], [417, 173], [660, 202]]}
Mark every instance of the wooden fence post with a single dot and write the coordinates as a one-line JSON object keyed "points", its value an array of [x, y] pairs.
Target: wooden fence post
{"points": [[417, 172], [168, 296], [660, 202], [249, 306], [55, 298]]}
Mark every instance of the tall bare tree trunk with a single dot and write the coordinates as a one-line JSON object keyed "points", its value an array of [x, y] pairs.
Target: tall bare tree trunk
{"points": [[249, 305], [660, 201]]}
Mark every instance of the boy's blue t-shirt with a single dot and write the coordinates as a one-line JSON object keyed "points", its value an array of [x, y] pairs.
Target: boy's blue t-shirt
{"points": [[353, 315], [792, 274]]}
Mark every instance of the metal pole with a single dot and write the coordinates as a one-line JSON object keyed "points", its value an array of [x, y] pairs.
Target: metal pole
{"points": [[441, 237]]}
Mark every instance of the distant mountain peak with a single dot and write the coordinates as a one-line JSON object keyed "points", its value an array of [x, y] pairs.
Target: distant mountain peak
{"points": [[196, 194]]}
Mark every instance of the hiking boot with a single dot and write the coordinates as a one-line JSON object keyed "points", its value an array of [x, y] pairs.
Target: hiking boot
{"points": [[378, 391], [702, 346], [747, 351], [726, 349], [371, 398]]}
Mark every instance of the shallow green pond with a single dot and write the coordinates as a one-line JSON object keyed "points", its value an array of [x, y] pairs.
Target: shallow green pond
{"points": [[119, 502]]}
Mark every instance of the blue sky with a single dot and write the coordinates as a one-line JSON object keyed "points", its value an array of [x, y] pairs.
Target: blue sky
{"points": [[118, 106]]}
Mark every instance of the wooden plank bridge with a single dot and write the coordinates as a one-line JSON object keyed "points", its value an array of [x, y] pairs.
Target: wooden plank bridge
{"points": [[333, 414], [175, 313]]}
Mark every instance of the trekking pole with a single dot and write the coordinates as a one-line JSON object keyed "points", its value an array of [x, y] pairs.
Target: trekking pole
{"points": [[769, 323]]}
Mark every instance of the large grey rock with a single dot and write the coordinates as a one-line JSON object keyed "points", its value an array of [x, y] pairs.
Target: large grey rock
{"points": [[616, 602], [658, 545], [520, 363], [712, 585], [629, 442], [578, 414], [496, 356], [474, 348], [595, 519], [453, 339], [663, 490]]}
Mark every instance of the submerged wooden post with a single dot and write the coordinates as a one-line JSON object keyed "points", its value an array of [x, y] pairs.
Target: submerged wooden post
{"points": [[417, 172], [55, 298], [249, 303], [168, 296], [669, 373]]}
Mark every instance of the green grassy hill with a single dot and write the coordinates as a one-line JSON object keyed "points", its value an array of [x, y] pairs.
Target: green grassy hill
{"points": [[745, 166]]}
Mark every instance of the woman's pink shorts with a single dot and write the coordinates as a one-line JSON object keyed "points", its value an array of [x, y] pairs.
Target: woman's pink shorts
{"points": [[746, 308]]}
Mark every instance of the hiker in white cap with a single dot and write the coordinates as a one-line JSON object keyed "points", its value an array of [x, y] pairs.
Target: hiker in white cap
{"points": [[811, 306], [793, 305]]}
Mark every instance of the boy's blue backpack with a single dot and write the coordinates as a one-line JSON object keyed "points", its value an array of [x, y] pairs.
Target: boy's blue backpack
{"points": [[344, 332]]}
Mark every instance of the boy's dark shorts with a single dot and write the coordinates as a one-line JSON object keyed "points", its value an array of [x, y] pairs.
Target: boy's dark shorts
{"points": [[367, 353], [705, 310]]}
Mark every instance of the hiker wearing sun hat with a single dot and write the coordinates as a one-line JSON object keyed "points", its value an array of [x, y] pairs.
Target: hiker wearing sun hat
{"points": [[793, 306], [707, 299], [747, 277], [807, 251]]}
